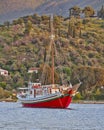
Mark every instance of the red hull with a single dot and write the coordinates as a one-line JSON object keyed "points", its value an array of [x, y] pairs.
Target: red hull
{"points": [[61, 102]]}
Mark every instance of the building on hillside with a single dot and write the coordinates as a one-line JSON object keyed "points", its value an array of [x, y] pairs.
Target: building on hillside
{"points": [[34, 74], [3, 72], [31, 70]]}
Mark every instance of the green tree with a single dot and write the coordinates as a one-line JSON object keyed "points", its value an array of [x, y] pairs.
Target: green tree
{"points": [[78, 27], [67, 70], [1, 92], [78, 96], [3, 85], [76, 11], [7, 94], [15, 22], [88, 11], [71, 28], [20, 21], [28, 27], [7, 23], [84, 22], [98, 92]]}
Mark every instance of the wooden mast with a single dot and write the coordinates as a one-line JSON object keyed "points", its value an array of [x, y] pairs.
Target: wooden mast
{"points": [[52, 46]]}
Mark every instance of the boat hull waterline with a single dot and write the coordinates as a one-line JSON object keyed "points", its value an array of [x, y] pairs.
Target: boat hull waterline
{"points": [[62, 101]]}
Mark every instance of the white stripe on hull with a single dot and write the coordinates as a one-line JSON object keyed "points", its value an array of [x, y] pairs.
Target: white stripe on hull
{"points": [[39, 99]]}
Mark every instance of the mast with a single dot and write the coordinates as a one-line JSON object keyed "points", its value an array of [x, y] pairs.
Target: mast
{"points": [[52, 46]]}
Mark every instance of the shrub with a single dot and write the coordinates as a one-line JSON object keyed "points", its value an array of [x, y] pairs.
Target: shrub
{"points": [[78, 96]]}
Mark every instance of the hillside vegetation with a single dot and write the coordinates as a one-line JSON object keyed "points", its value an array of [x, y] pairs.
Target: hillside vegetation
{"points": [[79, 45]]}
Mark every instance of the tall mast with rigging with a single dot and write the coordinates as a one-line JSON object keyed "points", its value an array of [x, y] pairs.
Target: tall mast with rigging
{"points": [[52, 46]]}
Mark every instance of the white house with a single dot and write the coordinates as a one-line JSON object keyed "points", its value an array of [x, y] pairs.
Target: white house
{"points": [[31, 70], [3, 72]]}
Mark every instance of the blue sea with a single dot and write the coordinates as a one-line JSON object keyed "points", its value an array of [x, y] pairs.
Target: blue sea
{"points": [[77, 117]]}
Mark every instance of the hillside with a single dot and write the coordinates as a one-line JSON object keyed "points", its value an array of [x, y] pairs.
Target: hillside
{"points": [[12, 9], [79, 51]]}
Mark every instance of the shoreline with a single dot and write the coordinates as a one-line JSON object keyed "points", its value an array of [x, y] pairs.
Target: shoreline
{"points": [[88, 102], [8, 100], [74, 101]]}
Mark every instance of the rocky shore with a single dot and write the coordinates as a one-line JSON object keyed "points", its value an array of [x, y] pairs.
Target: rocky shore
{"points": [[74, 101], [88, 102], [8, 100]]}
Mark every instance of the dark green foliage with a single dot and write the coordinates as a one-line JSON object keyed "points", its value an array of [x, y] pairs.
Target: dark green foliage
{"points": [[88, 11], [75, 11], [3, 84], [28, 27], [102, 26], [85, 21], [67, 71], [90, 78], [4, 93], [78, 97]]}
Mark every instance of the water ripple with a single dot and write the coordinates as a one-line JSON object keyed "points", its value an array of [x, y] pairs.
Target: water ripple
{"points": [[78, 117]]}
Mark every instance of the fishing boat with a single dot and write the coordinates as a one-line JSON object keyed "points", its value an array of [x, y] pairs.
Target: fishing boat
{"points": [[37, 95]]}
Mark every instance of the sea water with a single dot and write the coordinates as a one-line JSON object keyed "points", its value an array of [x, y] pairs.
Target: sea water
{"points": [[77, 117]]}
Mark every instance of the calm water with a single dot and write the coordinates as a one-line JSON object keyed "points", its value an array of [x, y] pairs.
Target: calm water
{"points": [[77, 117]]}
